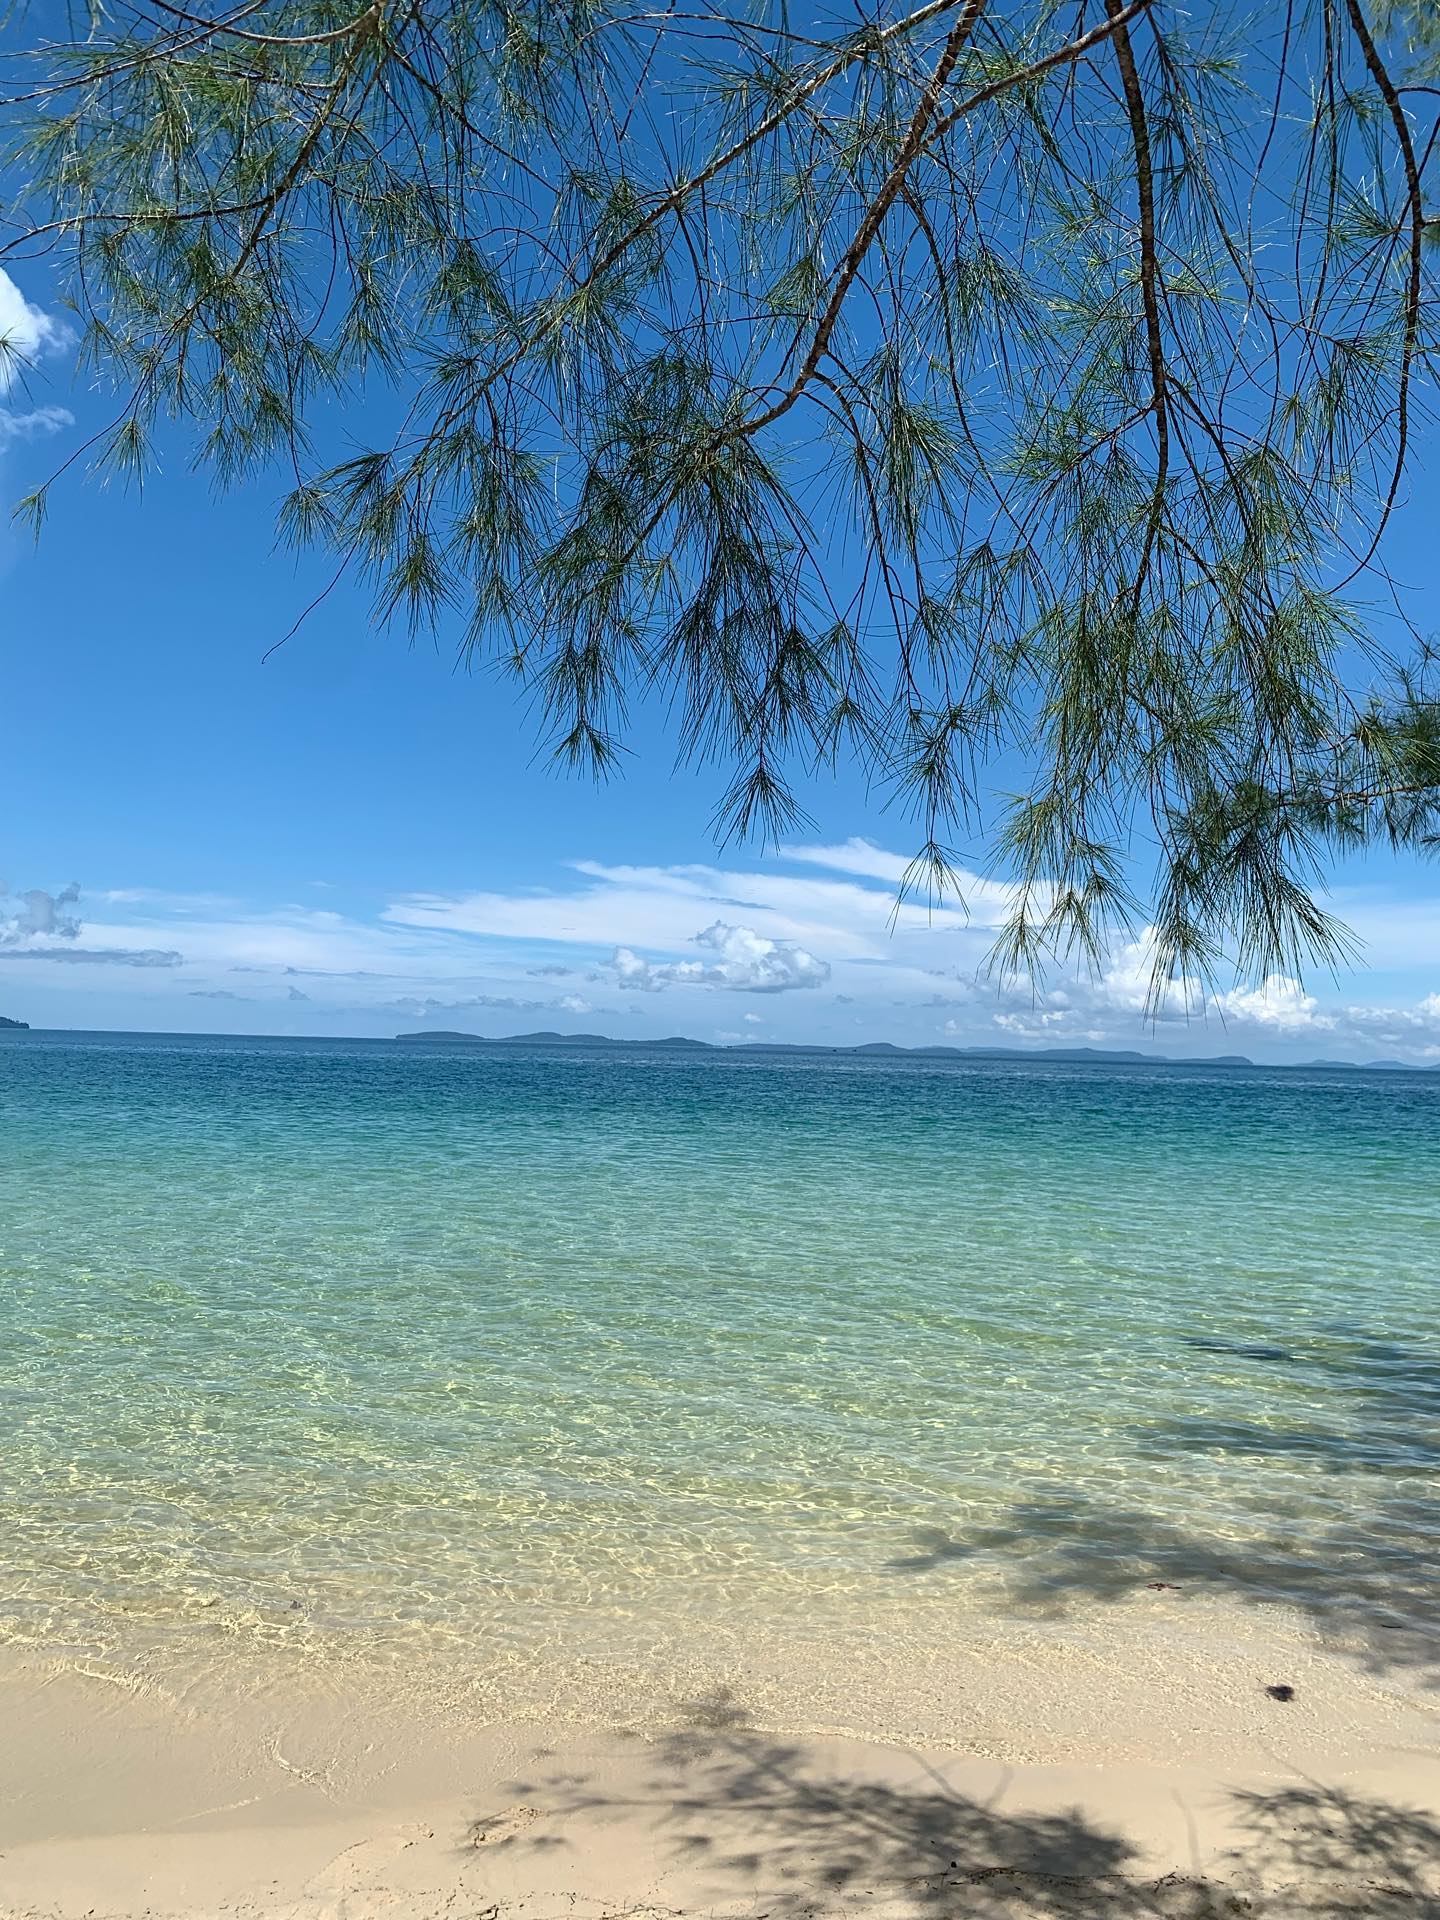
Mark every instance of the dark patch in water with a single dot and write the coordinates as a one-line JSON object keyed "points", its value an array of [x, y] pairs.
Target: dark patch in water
{"points": [[1237, 1350]]}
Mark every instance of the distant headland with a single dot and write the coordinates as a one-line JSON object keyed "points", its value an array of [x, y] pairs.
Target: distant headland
{"points": [[14, 1026], [1075, 1055]]}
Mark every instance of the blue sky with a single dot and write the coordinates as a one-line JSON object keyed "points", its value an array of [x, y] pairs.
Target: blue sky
{"points": [[353, 838]]}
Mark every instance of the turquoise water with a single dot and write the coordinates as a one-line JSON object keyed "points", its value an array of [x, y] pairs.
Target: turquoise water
{"points": [[379, 1350]]}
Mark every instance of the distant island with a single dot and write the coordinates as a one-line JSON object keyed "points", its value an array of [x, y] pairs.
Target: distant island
{"points": [[1095, 1056], [14, 1026], [548, 1039], [1073, 1056]]}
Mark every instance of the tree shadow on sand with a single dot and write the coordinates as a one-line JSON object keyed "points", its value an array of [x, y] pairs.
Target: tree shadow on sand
{"points": [[740, 1821], [1372, 1580]]}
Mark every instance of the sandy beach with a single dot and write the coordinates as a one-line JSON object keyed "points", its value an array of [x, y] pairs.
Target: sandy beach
{"points": [[1158, 1779]]}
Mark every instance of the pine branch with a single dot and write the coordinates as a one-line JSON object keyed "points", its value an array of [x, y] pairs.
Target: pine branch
{"points": [[1150, 281], [1414, 276]]}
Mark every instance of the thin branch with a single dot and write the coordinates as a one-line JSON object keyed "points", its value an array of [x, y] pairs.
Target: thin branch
{"points": [[270, 39]]}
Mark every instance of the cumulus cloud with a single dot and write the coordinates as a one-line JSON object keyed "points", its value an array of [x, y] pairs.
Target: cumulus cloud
{"points": [[1278, 1004], [748, 962], [1413, 1029], [1113, 1009], [37, 914], [1039, 1020], [1280, 1009]]}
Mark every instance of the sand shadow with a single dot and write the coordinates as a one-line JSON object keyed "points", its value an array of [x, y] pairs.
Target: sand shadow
{"points": [[742, 1821]]}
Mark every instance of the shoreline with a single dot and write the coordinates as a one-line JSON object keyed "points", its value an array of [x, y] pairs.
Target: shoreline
{"points": [[1161, 1676], [254, 1791]]}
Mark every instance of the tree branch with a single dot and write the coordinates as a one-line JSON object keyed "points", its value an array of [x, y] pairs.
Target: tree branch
{"points": [[1149, 278], [1414, 283], [1062, 56], [855, 253]]}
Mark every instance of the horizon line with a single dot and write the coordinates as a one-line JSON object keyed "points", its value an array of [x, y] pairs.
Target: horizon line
{"points": [[551, 1037]]}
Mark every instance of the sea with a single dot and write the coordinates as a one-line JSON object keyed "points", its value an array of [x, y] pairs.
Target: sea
{"points": [[581, 1375]]}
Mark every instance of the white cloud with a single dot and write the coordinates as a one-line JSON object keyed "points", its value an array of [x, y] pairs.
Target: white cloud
{"points": [[659, 907], [27, 333], [748, 963], [857, 856], [985, 901], [1038, 1020], [31, 425], [1414, 1029], [770, 932], [1114, 1009], [1278, 1004]]}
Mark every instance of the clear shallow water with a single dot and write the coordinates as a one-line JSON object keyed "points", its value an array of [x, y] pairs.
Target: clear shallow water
{"points": [[377, 1350]]}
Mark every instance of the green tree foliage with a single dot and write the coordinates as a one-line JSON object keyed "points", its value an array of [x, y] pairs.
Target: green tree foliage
{"points": [[1008, 393]]}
